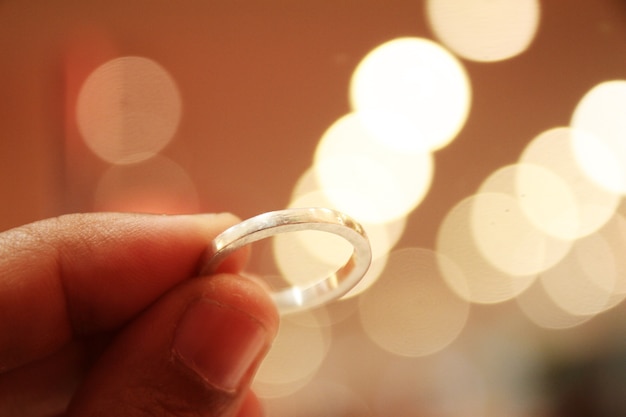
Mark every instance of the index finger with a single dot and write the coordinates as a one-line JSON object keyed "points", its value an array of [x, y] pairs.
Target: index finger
{"points": [[87, 273]]}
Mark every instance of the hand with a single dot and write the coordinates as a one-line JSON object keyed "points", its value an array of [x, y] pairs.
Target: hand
{"points": [[101, 314]]}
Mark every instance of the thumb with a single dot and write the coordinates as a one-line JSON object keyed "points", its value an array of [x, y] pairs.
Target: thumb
{"points": [[192, 353]]}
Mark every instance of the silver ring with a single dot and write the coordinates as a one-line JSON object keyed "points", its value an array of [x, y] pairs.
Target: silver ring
{"points": [[296, 298]]}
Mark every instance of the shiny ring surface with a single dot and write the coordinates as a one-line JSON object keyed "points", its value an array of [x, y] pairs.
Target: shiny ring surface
{"points": [[298, 298]]}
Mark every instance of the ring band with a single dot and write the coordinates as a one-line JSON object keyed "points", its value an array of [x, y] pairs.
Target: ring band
{"points": [[268, 224]]}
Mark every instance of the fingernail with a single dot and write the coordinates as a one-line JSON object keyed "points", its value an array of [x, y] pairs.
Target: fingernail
{"points": [[221, 344]]}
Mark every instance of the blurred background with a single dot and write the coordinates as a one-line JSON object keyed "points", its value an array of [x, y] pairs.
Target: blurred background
{"points": [[482, 143]]}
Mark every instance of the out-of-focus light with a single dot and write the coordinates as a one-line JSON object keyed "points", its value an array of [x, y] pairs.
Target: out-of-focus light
{"points": [[599, 132], [484, 30], [158, 185], [508, 241], [328, 314], [412, 94], [547, 201], [364, 178], [306, 184], [382, 236], [128, 109], [541, 309], [614, 234], [480, 281], [299, 266], [542, 211], [409, 311], [591, 280], [295, 356], [592, 204]]}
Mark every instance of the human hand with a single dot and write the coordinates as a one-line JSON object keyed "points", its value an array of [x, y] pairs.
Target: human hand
{"points": [[98, 317]]}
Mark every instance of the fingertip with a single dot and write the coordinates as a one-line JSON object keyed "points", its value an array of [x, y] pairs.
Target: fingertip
{"points": [[251, 406], [250, 295], [237, 260], [234, 263], [201, 345]]}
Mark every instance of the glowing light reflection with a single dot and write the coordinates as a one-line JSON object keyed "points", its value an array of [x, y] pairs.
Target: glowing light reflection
{"points": [[409, 311], [330, 251], [300, 267], [295, 356], [482, 30], [547, 201], [599, 131], [594, 205], [411, 94], [128, 109], [382, 236], [591, 280], [539, 207], [508, 241], [480, 281], [297, 253], [541, 309], [370, 181]]}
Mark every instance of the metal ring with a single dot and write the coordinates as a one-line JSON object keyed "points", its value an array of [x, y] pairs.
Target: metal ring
{"points": [[296, 298]]}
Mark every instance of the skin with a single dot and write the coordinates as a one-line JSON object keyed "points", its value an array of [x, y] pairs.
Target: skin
{"points": [[92, 308]]}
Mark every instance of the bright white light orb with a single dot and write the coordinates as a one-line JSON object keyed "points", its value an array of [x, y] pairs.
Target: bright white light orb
{"points": [[411, 94], [366, 179], [593, 205], [599, 127], [485, 30]]}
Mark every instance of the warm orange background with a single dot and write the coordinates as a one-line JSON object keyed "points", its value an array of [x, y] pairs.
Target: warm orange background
{"points": [[261, 81]]}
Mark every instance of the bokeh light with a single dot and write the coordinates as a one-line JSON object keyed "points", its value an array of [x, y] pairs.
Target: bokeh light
{"points": [[547, 201], [328, 250], [599, 127], [593, 205], [295, 356], [366, 179], [541, 309], [484, 30], [299, 266], [410, 311], [508, 241], [411, 94], [591, 279], [329, 314], [223, 110], [540, 217], [128, 109], [480, 281], [158, 185], [383, 236]]}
